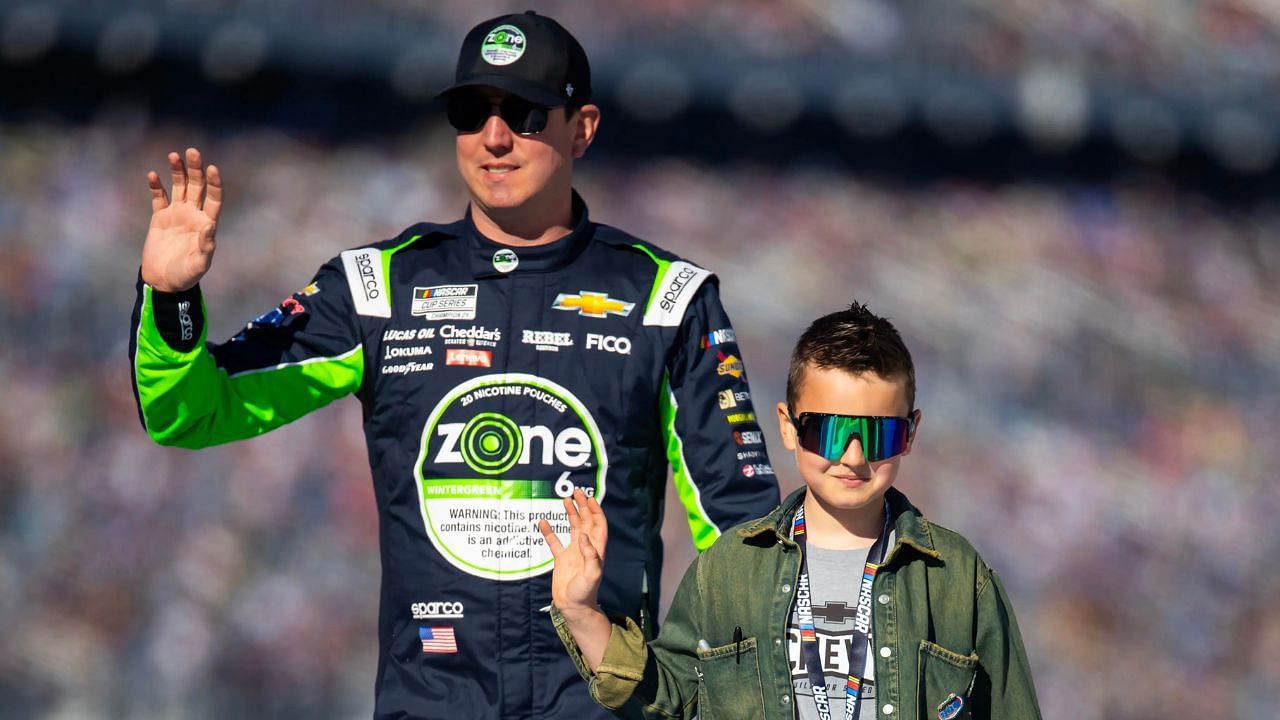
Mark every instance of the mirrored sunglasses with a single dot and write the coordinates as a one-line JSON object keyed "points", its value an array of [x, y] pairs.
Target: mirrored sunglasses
{"points": [[829, 435]]}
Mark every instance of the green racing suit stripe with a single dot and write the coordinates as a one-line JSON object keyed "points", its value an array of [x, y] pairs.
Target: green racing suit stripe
{"points": [[703, 529], [386, 262], [188, 401], [657, 278]]}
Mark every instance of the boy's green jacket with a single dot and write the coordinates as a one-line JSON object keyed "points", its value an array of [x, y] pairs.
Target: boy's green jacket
{"points": [[942, 628]]}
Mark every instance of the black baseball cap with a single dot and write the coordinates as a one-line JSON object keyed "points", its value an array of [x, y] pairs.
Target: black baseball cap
{"points": [[528, 55]]}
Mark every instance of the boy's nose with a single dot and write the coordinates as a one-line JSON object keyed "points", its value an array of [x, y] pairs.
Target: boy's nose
{"points": [[853, 456]]}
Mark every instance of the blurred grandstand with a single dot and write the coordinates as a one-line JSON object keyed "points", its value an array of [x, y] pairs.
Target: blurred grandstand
{"points": [[1068, 208]]}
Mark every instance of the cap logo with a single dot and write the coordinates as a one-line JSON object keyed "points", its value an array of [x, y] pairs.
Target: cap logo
{"points": [[503, 45], [504, 261]]}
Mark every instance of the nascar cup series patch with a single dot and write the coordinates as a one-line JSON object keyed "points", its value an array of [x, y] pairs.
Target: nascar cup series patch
{"points": [[503, 45], [498, 453]]}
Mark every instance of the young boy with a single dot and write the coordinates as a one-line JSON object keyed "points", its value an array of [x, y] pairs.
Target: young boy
{"points": [[842, 602]]}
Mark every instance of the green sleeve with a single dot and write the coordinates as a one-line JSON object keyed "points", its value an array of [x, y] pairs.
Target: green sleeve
{"points": [[292, 360], [655, 680]]}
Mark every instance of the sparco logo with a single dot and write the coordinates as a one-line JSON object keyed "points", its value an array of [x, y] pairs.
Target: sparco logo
{"points": [[364, 262], [184, 319], [428, 610], [676, 287]]}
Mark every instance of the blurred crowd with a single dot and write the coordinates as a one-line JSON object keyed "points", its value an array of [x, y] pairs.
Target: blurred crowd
{"points": [[1096, 363], [1153, 42]]}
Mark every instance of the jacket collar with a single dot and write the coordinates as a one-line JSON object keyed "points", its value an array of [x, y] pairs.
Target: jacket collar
{"points": [[539, 258], [909, 526]]}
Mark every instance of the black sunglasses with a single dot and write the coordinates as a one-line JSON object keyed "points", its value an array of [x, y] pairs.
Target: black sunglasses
{"points": [[469, 110]]}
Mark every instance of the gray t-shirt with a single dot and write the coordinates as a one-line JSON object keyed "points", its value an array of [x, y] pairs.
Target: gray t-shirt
{"points": [[835, 576]]}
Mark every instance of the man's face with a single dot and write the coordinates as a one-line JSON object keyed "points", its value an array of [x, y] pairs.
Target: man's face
{"points": [[504, 170], [852, 482]]}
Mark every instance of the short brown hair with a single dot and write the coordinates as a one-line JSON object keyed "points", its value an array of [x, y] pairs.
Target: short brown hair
{"points": [[856, 341]]}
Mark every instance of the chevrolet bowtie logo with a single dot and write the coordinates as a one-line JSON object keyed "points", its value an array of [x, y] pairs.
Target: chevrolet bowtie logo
{"points": [[592, 304], [836, 612]]}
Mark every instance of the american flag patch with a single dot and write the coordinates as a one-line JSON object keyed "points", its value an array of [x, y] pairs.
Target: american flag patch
{"points": [[437, 640]]}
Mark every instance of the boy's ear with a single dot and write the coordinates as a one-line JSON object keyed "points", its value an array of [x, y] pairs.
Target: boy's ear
{"points": [[915, 432], [785, 428]]}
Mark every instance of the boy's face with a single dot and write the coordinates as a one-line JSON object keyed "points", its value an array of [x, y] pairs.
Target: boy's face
{"points": [[851, 482]]}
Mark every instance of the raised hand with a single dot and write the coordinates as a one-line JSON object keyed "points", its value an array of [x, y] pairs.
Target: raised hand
{"points": [[575, 580], [179, 247]]}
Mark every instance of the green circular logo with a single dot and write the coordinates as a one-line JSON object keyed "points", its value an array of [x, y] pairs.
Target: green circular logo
{"points": [[491, 443], [504, 261], [499, 453], [503, 45]]}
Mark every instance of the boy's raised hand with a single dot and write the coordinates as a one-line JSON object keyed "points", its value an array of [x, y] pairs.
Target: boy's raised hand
{"points": [[179, 246], [575, 579]]}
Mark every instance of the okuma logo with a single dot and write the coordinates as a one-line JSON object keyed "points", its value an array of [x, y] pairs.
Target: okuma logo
{"points": [[498, 453], [503, 45]]}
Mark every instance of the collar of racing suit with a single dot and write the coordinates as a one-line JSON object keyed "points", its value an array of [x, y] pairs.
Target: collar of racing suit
{"points": [[540, 258]]}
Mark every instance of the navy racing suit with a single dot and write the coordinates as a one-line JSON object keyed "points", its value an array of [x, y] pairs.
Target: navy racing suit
{"points": [[494, 380]]}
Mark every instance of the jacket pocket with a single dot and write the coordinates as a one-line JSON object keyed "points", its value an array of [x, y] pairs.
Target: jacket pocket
{"points": [[729, 682], [946, 679]]}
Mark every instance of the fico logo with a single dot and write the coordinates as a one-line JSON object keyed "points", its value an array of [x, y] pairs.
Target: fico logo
{"points": [[676, 286], [609, 343]]}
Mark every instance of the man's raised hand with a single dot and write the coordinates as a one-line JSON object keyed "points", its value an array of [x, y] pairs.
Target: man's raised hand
{"points": [[179, 246]]}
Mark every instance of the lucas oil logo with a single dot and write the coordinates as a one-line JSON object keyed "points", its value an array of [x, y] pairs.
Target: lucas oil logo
{"points": [[498, 453]]}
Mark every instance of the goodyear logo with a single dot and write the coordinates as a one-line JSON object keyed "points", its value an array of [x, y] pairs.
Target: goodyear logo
{"points": [[593, 304]]}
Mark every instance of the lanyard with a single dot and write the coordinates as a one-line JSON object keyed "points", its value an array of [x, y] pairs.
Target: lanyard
{"points": [[861, 623]]}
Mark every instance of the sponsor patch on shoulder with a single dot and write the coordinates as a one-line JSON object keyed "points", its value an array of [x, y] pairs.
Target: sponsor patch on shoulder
{"points": [[673, 293], [368, 285]]}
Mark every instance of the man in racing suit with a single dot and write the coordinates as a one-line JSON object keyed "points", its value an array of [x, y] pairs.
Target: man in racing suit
{"points": [[502, 361]]}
